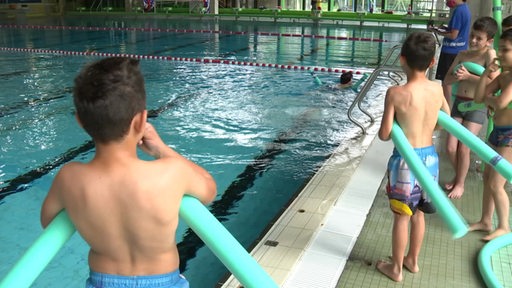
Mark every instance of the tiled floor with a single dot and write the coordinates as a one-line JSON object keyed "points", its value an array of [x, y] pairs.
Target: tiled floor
{"points": [[444, 262], [287, 240], [300, 259]]}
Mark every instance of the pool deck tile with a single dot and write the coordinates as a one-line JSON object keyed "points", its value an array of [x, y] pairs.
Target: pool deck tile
{"points": [[346, 227], [300, 223]]}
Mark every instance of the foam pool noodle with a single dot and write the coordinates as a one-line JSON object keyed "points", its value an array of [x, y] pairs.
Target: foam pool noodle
{"points": [[444, 206]]}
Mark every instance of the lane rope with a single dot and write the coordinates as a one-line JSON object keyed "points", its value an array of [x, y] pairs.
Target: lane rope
{"points": [[84, 28], [184, 59]]}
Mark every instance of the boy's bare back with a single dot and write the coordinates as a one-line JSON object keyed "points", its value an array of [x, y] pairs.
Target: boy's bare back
{"points": [[127, 212], [415, 106], [125, 208]]}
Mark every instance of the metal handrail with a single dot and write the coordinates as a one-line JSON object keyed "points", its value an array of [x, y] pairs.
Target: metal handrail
{"points": [[384, 67], [360, 96]]}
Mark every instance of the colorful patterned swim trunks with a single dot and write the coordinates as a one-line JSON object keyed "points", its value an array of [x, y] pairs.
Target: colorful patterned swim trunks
{"points": [[501, 136], [404, 192]]}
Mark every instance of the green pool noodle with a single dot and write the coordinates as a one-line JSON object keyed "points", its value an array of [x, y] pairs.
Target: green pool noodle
{"points": [[40, 253], [472, 68], [476, 145], [316, 79], [194, 213], [484, 259], [359, 82], [224, 245], [471, 106], [444, 206]]}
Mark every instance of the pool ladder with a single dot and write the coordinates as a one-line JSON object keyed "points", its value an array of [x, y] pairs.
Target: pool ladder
{"points": [[393, 72]]}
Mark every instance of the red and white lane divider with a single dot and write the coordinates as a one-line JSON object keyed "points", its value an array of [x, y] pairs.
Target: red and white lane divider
{"points": [[182, 59], [84, 28]]}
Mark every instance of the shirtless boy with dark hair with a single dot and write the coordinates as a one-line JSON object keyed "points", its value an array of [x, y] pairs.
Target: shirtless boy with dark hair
{"points": [[125, 208], [414, 106]]}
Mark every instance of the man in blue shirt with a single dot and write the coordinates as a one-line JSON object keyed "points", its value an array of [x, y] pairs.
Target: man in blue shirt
{"points": [[456, 38]]}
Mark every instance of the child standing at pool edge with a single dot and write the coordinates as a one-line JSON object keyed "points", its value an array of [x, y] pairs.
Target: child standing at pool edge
{"points": [[500, 139], [415, 107], [125, 208], [480, 52]]}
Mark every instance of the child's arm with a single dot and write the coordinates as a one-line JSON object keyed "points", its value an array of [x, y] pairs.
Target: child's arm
{"points": [[388, 117], [500, 102], [492, 59], [53, 204], [486, 85], [450, 77], [452, 33], [200, 183]]}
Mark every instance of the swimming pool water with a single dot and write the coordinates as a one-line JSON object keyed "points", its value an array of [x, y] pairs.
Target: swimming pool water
{"points": [[262, 132]]}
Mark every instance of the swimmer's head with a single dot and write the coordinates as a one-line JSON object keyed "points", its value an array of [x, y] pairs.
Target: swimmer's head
{"points": [[346, 77]]}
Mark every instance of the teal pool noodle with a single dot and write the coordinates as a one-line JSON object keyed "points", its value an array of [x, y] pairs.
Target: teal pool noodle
{"points": [[316, 79], [40, 253], [356, 85], [196, 215], [476, 145], [472, 68], [484, 259], [471, 106], [444, 206], [224, 245]]}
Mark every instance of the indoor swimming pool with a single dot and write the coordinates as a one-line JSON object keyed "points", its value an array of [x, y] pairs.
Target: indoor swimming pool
{"points": [[262, 132]]}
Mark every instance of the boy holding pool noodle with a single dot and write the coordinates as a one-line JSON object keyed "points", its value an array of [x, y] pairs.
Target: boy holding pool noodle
{"points": [[125, 208], [414, 106], [500, 139], [480, 52]]}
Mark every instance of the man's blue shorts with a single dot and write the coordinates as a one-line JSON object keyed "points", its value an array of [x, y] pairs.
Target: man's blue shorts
{"points": [[169, 280]]}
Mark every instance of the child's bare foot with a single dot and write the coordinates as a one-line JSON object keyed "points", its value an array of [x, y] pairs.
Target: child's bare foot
{"points": [[495, 234], [389, 270], [480, 226], [448, 186], [411, 266], [456, 192]]}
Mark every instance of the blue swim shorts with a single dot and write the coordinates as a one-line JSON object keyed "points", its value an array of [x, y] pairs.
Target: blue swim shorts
{"points": [[501, 136], [169, 280], [404, 192]]}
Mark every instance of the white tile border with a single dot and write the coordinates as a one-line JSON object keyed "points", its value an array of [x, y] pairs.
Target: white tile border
{"points": [[327, 253]]}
